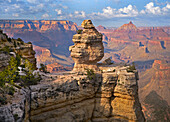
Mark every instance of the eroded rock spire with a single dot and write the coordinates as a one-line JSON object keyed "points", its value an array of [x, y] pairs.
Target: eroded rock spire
{"points": [[88, 47]]}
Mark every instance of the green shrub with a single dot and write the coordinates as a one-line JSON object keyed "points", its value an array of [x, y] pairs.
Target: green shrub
{"points": [[15, 45], [90, 74], [29, 78], [29, 43], [18, 58], [79, 31], [3, 100], [16, 117], [3, 75], [6, 49], [19, 87], [19, 39], [18, 43], [43, 68], [11, 90], [22, 42], [9, 39], [10, 74]]}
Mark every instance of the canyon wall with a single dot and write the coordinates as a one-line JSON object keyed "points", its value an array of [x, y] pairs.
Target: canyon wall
{"points": [[158, 81], [39, 25], [109, 96], [52, 35], [149, 48], [12, 47]]}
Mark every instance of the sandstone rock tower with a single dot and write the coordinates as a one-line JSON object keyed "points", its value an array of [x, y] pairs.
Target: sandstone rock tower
{"points": [[88, 48]]}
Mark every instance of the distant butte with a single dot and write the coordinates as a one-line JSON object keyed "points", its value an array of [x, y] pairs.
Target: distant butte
{"points": [[130, 27]]}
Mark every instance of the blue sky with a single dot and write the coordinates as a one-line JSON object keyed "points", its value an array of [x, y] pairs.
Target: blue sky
{"points": [[110, 13]]}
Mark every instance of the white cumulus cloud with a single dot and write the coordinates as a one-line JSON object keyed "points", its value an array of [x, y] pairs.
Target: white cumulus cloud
{"points": [[150, 8], [45, 16], [166, 8], [15, 15], [59, 12], [129, 10], [16, 6], [78, 14], [32, 1], [109, 12]]}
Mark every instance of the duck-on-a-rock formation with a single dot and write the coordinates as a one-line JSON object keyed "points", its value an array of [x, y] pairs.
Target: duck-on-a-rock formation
{"points": [[89, 93]]}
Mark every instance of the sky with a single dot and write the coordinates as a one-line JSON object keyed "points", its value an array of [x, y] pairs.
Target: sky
{"points": [[109, 13]]}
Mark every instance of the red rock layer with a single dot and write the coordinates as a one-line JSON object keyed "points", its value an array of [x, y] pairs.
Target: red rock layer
{"points": [[129, 26], [56, 67], [40, 25]]}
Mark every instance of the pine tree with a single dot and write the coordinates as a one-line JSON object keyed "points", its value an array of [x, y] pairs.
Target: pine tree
{"points": [[10, 74]]}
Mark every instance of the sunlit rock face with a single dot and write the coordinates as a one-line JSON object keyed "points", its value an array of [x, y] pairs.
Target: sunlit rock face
{"points": [[111, 96], [88, 47], [27, 52]]}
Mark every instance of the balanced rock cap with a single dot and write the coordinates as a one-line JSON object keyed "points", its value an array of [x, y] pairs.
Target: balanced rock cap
{"points": [[87, 24]]}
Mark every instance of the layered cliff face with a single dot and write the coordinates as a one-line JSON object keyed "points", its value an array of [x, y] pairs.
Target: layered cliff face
{"points": [[129, 43], [154, 91], [12, 47], [147, 47], [40, 25], [108, 96], [157, 79], [26, 52]]}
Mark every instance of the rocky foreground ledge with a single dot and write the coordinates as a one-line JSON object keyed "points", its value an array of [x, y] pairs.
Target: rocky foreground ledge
{"points": [[110, 95]]}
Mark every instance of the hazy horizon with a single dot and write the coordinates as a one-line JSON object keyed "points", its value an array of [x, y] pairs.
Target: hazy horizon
{"points": [[80, 24]]}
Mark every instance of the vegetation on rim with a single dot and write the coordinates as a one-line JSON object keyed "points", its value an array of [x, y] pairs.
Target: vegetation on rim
{"points": [[10, 76], [90, 74]]}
